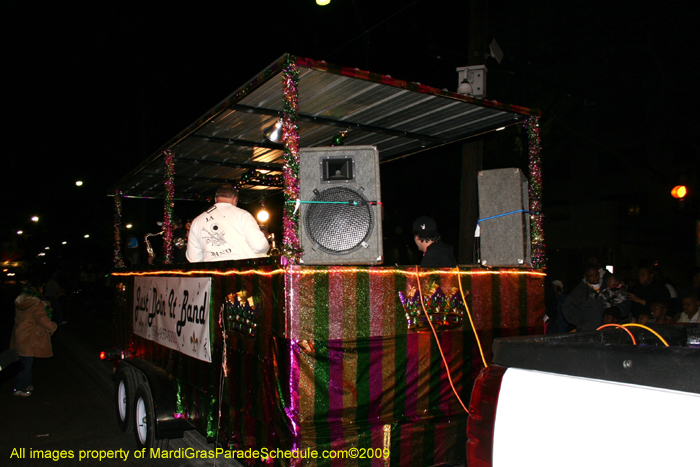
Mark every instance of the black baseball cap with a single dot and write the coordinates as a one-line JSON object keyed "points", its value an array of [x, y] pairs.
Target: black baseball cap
{"points": [[425, 226]]}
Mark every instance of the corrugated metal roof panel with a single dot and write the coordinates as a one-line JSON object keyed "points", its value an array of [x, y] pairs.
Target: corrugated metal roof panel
{"points": [[397, 117]]}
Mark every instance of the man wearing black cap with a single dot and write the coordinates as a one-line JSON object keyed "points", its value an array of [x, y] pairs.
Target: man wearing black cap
{"points": [[435, 253]]}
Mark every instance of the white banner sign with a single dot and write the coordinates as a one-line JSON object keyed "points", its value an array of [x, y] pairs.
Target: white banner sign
{"points": [[174, 312]]}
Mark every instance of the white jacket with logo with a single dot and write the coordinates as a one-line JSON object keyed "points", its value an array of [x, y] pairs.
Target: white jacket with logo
{"points": [[225, 232]]}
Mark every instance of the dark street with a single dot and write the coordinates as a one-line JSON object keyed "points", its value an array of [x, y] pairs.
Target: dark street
{"points": [[71, 411]]}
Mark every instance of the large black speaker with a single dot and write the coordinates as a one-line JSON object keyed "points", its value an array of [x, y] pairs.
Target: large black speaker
{"points": [[504, 221], [340, 220]]}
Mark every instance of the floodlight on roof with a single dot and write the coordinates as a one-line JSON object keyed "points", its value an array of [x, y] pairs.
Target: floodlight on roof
{"points": [[274, 133], [465, 87], [473, 77]]}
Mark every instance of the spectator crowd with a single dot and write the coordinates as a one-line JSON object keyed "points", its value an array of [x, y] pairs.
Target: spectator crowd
{"points": [[603, 297]]}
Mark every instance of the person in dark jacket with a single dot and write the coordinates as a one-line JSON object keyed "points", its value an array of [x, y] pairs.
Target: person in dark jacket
{"points": [[649, 291], [582, 307], [435, 253]]}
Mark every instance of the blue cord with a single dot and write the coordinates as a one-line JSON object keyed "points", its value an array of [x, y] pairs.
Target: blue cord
{"points": [[505, 214]]}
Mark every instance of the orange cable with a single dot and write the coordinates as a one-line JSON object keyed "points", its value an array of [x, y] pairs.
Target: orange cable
{"points": [[464, 300], [444, 360], [619, 326], [648, 329]]}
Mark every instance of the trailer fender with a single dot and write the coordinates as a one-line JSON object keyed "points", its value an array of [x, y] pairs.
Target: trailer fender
{"points": [[168, 424]]}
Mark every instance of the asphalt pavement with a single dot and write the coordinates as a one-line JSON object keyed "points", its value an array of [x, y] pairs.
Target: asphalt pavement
{"points": [[70, 418]]}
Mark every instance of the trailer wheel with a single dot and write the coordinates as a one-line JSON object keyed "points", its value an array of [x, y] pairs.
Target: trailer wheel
{"points": [[125, 388], [145, 420]]}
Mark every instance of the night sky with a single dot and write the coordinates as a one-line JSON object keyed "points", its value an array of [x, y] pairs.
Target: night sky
{"points": [[91, 89]]}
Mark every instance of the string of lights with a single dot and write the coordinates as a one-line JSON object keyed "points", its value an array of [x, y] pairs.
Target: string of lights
{"points": [[302, 270]]}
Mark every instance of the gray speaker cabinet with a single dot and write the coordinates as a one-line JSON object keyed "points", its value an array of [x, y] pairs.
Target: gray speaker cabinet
{"points": [[505, 240], [343, 222]]}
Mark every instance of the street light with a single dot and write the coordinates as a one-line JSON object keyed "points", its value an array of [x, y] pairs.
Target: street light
{"points": [[35, 218]]}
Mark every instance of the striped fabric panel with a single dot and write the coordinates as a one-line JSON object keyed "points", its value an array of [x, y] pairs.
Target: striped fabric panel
{"points": [[334, 364]]}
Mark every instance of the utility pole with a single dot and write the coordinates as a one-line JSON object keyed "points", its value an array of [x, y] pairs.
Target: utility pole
{"points": [[472, 152]]}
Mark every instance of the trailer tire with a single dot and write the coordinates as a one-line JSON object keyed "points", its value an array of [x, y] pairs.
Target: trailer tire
{"points": [[145, 420], [125, 389]]}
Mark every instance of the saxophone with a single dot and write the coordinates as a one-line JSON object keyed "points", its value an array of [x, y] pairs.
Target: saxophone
{"points": [[149, 248]]}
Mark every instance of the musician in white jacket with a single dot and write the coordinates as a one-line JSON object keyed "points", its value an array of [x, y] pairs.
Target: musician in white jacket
{"points": [[225, 232]]}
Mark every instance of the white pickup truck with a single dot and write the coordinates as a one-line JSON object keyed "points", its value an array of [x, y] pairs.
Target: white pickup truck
{"points": [[589, 399]]}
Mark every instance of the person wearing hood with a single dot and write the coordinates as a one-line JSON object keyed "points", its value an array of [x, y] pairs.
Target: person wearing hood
{"points": [[31, 335], [582, 307], [435, 253]]}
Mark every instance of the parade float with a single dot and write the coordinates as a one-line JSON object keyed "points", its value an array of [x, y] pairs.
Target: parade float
{"points": [[321, 348]]}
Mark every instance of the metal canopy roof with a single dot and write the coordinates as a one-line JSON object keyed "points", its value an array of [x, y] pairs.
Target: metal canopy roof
{"points": [[398, 117]]}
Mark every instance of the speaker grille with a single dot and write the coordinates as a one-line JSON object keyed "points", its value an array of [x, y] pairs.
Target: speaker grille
{"points": [[339, 229]]}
